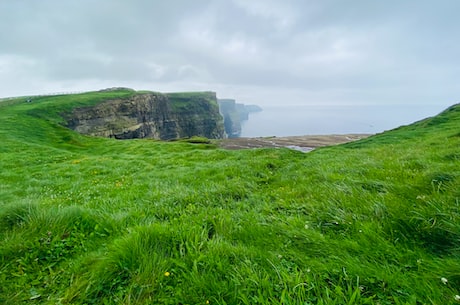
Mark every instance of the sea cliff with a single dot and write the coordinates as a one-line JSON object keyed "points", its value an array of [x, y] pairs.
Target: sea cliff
{"points": [[151, 115]]}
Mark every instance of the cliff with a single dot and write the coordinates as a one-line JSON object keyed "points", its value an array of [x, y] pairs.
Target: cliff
{"points": [[151, 115], [234, 115]]}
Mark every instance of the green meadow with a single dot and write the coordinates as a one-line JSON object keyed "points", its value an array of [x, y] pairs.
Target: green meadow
{"points": [[87, 220]]}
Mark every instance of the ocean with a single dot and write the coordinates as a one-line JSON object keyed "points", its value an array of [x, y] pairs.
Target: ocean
{"points": [[332, 119]]}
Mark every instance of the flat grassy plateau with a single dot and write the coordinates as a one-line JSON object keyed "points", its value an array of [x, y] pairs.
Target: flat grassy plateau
{"points": [[99, 221]]}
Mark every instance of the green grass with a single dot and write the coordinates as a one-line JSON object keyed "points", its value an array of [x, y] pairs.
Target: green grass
{"points": [[183, 102], [98, 221]]}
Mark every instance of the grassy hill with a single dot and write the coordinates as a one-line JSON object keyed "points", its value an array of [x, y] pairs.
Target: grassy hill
{"points": [[99, 221]]}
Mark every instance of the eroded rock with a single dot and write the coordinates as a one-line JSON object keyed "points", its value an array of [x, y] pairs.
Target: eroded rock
{"points": [[151, 115]]}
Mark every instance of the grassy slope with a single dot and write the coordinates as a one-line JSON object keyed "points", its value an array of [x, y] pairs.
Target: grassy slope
{"points": [[100, 221]]}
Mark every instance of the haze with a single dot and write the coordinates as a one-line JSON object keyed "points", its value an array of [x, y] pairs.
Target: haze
{"points": [[264, 52]]}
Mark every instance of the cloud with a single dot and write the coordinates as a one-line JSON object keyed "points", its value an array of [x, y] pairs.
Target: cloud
{"points": [[305, 51], [280, 14]]}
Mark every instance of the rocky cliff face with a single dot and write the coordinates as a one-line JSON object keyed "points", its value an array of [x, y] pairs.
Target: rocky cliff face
{"points": [[234, 115], [152, 115]]}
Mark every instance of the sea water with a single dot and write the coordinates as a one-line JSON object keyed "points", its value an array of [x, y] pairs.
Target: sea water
{"points": [[333, 119]]}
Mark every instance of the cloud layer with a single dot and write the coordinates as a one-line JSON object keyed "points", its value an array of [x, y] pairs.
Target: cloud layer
{"points": [[260, 51]]}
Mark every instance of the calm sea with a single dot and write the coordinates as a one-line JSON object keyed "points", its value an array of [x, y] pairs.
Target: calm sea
{"points": [[332, 119]]}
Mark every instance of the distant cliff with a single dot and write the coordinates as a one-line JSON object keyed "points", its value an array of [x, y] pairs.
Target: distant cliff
{"points": [[152, 115], [234, 114]]}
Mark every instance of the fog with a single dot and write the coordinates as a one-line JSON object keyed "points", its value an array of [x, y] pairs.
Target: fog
{"points": [[332, 119]]}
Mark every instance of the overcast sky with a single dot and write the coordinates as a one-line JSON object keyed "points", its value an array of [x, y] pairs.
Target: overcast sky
{"points": [[257, 51]]}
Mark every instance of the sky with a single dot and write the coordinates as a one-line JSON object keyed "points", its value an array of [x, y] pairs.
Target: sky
{"points": [[262, 52]]}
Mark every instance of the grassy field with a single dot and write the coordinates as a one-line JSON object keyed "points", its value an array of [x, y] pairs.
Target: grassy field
{"points": [[99, 221]]}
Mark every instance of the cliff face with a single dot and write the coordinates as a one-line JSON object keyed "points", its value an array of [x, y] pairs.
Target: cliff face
{"points": [[232, 119], [234, 115], [152, 115]]}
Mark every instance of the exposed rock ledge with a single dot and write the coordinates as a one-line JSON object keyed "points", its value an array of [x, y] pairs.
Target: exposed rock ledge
{"points": [[301, 143], [152, 115]]}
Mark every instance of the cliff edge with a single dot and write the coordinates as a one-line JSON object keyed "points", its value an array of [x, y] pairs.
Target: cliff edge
{"points": [[151, 115]]}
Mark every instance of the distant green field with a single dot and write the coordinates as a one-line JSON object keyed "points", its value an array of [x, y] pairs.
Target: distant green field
{"points": [[99, 221]]}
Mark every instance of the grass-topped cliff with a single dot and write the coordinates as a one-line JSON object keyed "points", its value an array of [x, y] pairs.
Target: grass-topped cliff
{"points": [[87, 220], [127, 114]]}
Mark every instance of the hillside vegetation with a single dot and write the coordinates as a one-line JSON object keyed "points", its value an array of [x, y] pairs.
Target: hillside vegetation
{"points": [[87, 220]]}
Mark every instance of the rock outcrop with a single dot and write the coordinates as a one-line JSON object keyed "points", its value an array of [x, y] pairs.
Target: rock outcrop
{"points": [[152, 115]]}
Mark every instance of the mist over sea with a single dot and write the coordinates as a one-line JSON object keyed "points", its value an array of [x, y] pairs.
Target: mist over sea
{"points": [[333, 119]]}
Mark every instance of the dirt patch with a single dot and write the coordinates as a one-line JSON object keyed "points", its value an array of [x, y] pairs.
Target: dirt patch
{"points": [[301, 143]]}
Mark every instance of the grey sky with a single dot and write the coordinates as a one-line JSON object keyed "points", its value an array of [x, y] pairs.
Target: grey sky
{"points": [[257, 51]]}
